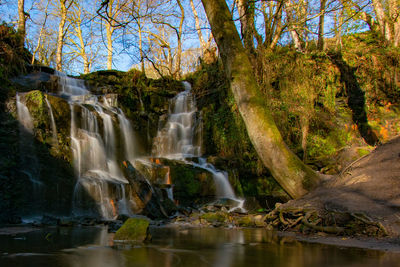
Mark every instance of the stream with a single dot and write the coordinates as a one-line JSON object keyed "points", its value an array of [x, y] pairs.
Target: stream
{"points": [[176, 246]]}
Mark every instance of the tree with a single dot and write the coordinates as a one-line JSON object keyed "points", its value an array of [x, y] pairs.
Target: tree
{"points": [[321, 24], [113, 10], [21, 20], [179, 37], [289, 171], [246, 9], [204, 46], [79, 42], [64, 6], [41, 33]]}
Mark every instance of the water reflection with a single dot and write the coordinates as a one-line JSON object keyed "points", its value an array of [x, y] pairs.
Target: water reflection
{"points": [[79, 247]]}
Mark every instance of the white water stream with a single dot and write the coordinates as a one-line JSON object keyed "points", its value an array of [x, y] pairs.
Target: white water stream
{"points": [[180, 139], [95, 149], [96, 124], [53, 123], [28, 156]]}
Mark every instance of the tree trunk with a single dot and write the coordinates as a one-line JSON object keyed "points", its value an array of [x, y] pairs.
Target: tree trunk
{"points": [[382, 20], [198, 29], [338, 31], [109, 33], [86, 63], [41, 33], [246, 17], [288, 170], [21, 20], [141, 49], [394, 13], [60, 38], [291, 25], [177, 71], [321, 24]]}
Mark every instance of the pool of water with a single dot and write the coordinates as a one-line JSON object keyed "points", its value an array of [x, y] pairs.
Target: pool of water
{"points": [[172, 246]]}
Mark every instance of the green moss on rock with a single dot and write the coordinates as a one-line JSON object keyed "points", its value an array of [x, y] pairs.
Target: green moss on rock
{"points": [[213, 217], [134, 229]]}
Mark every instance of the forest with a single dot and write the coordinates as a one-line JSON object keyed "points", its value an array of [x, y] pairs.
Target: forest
{"points": [[199, 131]]}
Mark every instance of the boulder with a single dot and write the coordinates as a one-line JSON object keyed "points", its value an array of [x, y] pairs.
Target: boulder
{"points": [[215, 217], [192, 185], [38, 80], [149, 199], [133, 230]]}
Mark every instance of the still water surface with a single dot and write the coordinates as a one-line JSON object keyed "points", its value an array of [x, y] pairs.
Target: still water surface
{"points": [[93, 247]]}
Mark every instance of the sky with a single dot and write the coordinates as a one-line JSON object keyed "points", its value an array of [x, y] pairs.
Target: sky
{"points": [[126, 52]]}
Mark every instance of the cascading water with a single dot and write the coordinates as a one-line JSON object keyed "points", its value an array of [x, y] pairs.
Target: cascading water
{"points": [[179, 139], [128, 136], [176, 139], [53, 123], [94, 149], [28, 157]]}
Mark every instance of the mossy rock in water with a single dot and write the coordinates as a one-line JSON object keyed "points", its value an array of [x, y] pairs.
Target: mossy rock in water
{"points": [[213, 217], [133, 230], [245, 221]]}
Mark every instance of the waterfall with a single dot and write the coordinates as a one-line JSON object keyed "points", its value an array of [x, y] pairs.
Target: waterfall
{"points": [[177, 140], [94, 149], [29, 164], [53, 123], [128, 136]]}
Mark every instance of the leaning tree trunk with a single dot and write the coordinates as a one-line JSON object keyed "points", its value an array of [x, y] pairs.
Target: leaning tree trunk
{"points": [[288, 170]]}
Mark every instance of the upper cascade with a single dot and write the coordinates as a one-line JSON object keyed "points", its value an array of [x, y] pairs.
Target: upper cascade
{"points": [[180, 138], [70, 86]]}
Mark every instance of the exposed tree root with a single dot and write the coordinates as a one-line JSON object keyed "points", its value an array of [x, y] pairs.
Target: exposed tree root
{"points": [[327, 221]]}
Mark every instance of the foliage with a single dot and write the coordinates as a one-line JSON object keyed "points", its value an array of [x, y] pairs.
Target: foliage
{"points": [[301, 90]]}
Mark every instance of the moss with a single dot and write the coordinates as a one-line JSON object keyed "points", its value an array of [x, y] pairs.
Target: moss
{"points": [[246, 221], [363, 152], [134, 229], [213, 217]]}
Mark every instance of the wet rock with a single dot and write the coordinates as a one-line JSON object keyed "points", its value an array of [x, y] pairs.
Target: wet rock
{"points": [[38, 80], [123, 217], [191, 184], [49, 220], [226, 202], [113, 226], [250, 220], [133, 230], [66, 222], [215, 217], [149, 199], [156, 173], [14, 219], [88, 221]]}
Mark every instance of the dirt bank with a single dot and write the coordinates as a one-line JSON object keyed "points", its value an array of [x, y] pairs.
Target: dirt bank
{"points": [[365, 195]]}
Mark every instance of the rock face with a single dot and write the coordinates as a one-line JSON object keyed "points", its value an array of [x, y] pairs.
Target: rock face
{"points": [[191, 185], [133, 230], [149, 200]]}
